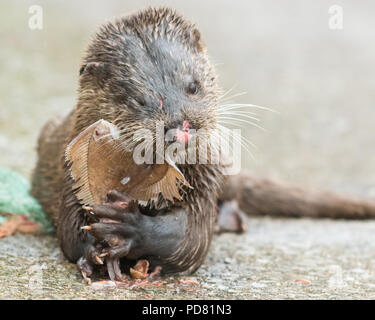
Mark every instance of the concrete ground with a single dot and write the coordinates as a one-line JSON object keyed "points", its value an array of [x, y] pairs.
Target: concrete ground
{"points": [[285, 56], [275, 259]]}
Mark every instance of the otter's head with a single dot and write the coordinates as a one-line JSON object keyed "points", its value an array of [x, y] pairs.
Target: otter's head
{"points": [[147, 67]]}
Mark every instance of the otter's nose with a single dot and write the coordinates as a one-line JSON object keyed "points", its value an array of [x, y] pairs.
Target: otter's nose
{"points": [[180, 132], [183, 135]]}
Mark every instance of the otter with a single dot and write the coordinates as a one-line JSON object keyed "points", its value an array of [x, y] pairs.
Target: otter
{"points": [[139, 69]]}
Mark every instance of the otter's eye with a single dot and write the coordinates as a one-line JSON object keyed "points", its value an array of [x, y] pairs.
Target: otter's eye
{"points": [[193, 87], [142, 102]]}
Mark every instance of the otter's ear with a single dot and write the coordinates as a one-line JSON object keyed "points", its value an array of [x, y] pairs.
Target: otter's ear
{"points": [[98, 71], [197, 40]]}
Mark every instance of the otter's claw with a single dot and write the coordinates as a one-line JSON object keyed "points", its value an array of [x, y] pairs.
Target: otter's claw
{"points": [[98, 260], [85, 268], [86, 263], [118, 229], [114, 271]]}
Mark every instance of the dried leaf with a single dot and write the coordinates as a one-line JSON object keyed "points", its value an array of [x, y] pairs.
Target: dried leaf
{"points": [[30, 227], [156, 272], [18, 223], [189, 282], [303, 281], [140, 270], [99, 285], [10, 226]]}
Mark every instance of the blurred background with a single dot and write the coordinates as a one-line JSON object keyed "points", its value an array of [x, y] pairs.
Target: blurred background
{"points": [[281, 53]]}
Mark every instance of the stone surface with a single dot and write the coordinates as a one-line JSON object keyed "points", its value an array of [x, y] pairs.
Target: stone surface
{"points": [[329, 260]]}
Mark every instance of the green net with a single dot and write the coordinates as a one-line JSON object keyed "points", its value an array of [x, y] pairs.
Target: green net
{"points": [[15, 198]]}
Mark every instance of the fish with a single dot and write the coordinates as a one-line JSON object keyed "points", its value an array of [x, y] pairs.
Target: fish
{"points": [[100, 162]]}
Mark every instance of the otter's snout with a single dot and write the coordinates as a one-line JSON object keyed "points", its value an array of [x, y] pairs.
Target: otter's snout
{"points": [[178, 131]]}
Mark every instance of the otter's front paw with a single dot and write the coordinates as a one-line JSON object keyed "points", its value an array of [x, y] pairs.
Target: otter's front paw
{"points": [[118, 230], [92, 256]]}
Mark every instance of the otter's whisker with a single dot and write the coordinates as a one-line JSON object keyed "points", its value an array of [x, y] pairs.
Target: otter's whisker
{"points": [[227, 92], [245, 115], [225, 97], [231, 120], [234, 112], [243, 141], [245, 105]]}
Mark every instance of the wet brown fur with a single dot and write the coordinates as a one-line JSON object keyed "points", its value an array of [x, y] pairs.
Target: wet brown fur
{"points": [[52, 184], [100, 80]]}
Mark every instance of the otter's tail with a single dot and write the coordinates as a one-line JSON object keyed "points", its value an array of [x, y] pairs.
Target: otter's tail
{"points": [[266, 197]]}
